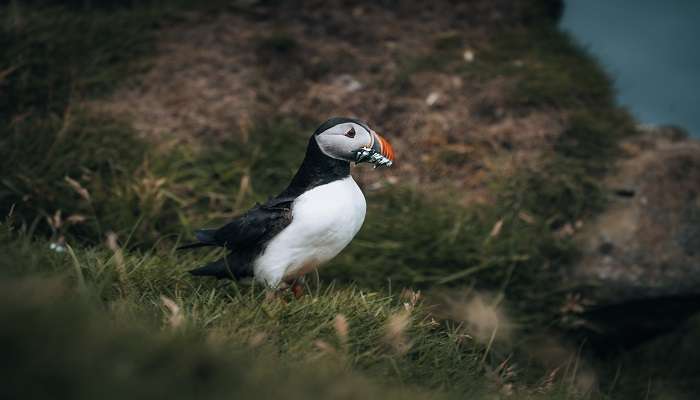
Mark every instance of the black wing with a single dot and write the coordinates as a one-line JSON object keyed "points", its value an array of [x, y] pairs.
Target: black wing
{"points": [[245, 236], [255, 227]]}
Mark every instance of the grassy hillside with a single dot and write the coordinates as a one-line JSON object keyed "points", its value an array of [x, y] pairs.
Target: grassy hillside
{"points": [[134, 323], [99, 302]]}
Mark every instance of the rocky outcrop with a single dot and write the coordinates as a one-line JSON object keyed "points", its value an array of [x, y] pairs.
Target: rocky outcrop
{"points": [[641, 257], [647, 243]]}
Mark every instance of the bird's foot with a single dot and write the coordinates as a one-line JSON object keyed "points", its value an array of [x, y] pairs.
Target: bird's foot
{"points": [[297, 290]]}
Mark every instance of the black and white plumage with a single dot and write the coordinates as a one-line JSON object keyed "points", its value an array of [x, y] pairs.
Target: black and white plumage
{"points": [[311, 221]]}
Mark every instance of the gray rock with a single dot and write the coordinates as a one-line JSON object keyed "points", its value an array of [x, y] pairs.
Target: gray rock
{"points": [[647, 243]]}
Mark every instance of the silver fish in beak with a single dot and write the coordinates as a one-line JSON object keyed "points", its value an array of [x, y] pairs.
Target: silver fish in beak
{"points": [[379, 152]]}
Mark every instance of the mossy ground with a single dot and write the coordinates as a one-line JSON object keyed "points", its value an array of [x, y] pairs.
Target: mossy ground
{"points": [[71, 175]]}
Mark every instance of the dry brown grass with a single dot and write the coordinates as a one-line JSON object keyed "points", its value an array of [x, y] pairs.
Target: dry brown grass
{"points": [[215, 75]]}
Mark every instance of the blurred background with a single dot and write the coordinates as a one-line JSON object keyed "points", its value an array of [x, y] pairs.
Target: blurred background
{"points": [[647, 51], [537, 238]]}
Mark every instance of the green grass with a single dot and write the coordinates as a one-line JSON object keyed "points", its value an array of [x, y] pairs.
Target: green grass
{"points": [[98, 169], [548, 67], [57, 347], [535, 208], [152, 199], [52, 60], [94, 50], [221, 338], [55, 148]]}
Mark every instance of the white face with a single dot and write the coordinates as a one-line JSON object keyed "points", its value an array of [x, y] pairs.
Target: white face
{"points": [[343, 141]]}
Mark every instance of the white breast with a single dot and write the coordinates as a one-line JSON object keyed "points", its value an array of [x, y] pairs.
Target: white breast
{"points": [[324, 221]]}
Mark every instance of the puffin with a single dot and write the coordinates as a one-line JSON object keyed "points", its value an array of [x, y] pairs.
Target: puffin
{"points": [[309, 222]]}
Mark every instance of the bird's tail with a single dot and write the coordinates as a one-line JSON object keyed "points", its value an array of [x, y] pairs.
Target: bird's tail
{"points": [[205, 237], [193, 245], [219, 269]]}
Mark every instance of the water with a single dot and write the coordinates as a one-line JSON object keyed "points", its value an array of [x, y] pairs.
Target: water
{"points": [[651, 48]]}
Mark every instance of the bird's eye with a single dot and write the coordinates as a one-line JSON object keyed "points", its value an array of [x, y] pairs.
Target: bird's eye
{"points": [[350, 133]]}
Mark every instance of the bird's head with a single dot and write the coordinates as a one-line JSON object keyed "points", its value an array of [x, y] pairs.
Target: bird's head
{"points": [[352, 140]]}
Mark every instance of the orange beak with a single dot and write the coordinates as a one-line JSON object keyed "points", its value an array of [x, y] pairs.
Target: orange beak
{"points": [[382, 146]]}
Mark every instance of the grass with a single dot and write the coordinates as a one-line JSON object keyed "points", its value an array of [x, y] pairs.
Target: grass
{"points": [[217, 337], [100, 177], [37, 85], [446, 51], [518, 243], [551, 70], [46, 77], [546, 67], [47, 333], [72, 176], [64, 160], [534, 209]]}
